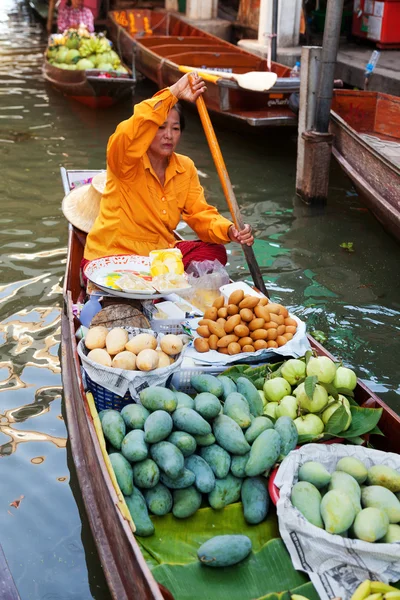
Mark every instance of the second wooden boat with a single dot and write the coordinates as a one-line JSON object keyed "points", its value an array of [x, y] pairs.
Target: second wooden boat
{"points": [[366, 144], [160, 41], [121, 553]]}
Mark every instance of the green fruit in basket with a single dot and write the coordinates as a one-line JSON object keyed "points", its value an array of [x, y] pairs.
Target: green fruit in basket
{"points": [[168, 458], [287, 407], [371, 524], [218, 459], [385, 476], [207, 405], [264, 452], [184, 441], [207, 383], [346, 483], [237, 408], [158, 500], [315, 473], [263, 398], [307, 499], [134, 446], [309, 425], [229, 435], [238, 465], [186, 419], [205, 440], [157, 426], [354, 467], [205, 478], [226, 491], [270, 410], [255, 500], [184, 400], [328, 412], [146, 473], [184, 480], [228, 385], [275, 389], [323, 367], [380, 497], [392, 535], [158, 398], [288, 434], [139, 513], [345, 379], [114, 428], [224, 550], [250, 392], [186, 502], [258, 425], [337, 511], [293, 370], [123, 472], [134, 415], [315, 404]]}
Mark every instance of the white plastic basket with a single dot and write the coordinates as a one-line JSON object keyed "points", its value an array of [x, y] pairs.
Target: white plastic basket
{"points": [[180, 380]]}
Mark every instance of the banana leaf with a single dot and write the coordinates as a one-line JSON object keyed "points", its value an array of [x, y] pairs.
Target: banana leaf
{"points": [[267, 574]]}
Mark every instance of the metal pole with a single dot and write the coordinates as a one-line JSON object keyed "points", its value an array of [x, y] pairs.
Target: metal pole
{"points": [[274, 29], [330, 45]]}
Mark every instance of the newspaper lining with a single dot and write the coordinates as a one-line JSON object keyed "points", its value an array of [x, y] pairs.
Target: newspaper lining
{"points": [[336, 565]]}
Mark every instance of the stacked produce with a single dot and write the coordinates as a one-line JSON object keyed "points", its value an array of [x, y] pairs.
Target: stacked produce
{"points": [[171, 452], [353, 501], [80, 50], [114, 348], [376, 590], [245, 324]]}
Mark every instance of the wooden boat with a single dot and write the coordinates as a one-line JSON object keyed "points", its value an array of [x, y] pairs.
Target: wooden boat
{"points": [[92, 88], [127, 573], [159, 42], [366, 144]]}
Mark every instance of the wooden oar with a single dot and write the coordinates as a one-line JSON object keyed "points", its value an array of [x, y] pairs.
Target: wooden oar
{"points": [[50, 16], [228, 191], [255, 81]]}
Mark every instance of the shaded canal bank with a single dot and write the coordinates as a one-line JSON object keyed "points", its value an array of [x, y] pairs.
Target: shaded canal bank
{"points": [[352, 297]]}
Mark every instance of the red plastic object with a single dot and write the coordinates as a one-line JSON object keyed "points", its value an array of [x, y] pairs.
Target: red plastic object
{"points": [[273, 490], [378, 22]]}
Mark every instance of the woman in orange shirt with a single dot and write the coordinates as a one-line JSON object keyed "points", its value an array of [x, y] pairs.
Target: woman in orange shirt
{"points": [[150, 188]]}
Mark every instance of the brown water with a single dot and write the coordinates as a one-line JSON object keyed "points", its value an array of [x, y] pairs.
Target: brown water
{"points": [[352, 297]]}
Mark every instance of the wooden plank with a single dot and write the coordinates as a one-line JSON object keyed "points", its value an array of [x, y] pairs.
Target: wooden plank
{"points": [[356, 108], [387, 117], [8, 590]]}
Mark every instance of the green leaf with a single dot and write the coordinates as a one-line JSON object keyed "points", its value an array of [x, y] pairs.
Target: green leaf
{"points": [[309, 385], [345, 392], [256, 375], [363, 421], [332, 391], [357, 441], [376, 431], [307, 356], [307, 438], [337, 421]]}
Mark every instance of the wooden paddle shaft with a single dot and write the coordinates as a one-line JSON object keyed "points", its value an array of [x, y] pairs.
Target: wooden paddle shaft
{"points": [[50, 16], [229, 193]]}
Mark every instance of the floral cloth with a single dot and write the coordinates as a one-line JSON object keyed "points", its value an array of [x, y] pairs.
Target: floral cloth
{"points": [[69, 17]]}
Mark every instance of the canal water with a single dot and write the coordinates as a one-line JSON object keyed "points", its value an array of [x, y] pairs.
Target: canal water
{"points": [[351, 298]]}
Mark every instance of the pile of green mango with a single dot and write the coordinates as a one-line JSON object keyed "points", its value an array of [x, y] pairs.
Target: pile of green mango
{"points": [[172, 452], [353, 501]]}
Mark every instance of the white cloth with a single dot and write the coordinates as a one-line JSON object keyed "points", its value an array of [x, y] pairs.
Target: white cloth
{"points": [[336, 565]]}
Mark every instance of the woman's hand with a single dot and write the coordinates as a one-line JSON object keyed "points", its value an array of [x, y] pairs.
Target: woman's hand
{"points": [[183, 89], [244, 237]]}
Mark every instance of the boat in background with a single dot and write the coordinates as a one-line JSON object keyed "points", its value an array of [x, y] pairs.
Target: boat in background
{"points": [[125, 568], [366, 144], [160, 41]]}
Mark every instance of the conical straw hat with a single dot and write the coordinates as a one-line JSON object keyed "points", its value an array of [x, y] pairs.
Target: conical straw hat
{"points": [[82, 205]]}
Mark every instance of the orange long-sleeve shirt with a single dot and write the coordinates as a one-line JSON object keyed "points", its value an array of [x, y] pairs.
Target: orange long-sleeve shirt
{"points": [[138, 214]]}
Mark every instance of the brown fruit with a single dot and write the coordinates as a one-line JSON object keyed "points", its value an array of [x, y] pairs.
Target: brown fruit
{"points": [[256, 324], [211, 313], [236, 297], [270, 325], [284, 312], [223, 312], [223, 350], [221, 321], [245, 341], [249, 302], [217, 329], [291, 329], [231, 323], [262, 313], [246, 314], [272, 334], [219, 302], [272, 344], [281, 341], [248, 348], [288, 336], [281, 329], [203, 331], [226, 340], [205, 322], [260, 344], [290, 322], [274, 308], [259, 334], [241, 331], [233, 309], [234, 348], [263, 301], [212, 341], [201, 345], [278, 319]]}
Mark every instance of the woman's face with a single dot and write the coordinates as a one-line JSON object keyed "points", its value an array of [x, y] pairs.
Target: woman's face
{"points": [[167, 136]]}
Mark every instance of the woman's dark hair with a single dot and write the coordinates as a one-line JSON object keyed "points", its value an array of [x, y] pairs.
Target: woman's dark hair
{"points": [[179, 110]]}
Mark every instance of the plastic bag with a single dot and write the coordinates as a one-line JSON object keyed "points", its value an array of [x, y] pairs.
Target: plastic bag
{"points": [[205, 277]]}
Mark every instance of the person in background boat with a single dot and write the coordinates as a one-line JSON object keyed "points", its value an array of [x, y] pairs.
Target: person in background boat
{"points": [[150, 188], [72, 14]]}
